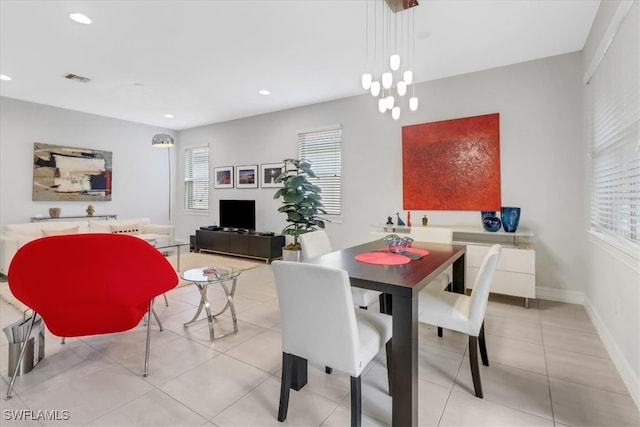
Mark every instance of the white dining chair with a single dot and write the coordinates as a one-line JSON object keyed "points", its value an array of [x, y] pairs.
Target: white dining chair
{"points": [[320, 323], [435, 235], [317, 243], [464, 313]]}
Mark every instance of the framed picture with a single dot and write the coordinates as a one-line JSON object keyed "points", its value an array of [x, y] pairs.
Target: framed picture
{"points": [[269, 172], [452, 165], [62, 173], [247, 176], [223, 177]]}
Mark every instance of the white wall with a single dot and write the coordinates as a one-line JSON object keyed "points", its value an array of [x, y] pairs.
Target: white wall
{"points": [[540, 106], [612, 288], [140, 171]]}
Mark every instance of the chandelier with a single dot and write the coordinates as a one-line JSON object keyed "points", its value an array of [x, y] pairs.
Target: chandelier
{"points": [[390, 54]]}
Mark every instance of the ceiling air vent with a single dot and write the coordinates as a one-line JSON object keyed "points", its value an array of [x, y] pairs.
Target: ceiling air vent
{"points": [[77, 78]]}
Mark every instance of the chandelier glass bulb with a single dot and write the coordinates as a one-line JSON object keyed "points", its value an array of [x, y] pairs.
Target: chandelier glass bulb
{"points": [[408, 77], [390, 102], [387, 80], [413, 103], [375, 88], [382, 105], [367, 78], [402, 88], [395, 113], [394, 62]]}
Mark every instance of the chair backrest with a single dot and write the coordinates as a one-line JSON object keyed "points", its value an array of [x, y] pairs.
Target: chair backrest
{"points": [[315, 244], [317, 315], [89, 284], [432, 234], [482, 286]]}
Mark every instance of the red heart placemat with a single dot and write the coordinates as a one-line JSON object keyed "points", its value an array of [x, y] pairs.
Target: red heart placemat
{"points": [[418, 251], [382, 258]]}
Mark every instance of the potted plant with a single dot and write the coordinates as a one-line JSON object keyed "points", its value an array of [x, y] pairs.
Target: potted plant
{"points": [[301, 203]]}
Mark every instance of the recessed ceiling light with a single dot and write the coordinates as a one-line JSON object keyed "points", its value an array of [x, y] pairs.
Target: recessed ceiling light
{"points": [[264, 92], [169, 116], [80, 18], [4, 77]]}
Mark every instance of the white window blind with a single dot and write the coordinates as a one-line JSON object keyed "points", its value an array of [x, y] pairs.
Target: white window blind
{"points": [[613, 112], [196, 178], [323, 150]]}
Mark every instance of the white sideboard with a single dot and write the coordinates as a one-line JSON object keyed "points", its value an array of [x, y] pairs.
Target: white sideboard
{"points": [[516, 271]]}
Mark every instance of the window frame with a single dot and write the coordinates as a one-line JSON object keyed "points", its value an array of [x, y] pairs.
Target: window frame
{"points": [[323, 162], [189, 204], [612, 109]]}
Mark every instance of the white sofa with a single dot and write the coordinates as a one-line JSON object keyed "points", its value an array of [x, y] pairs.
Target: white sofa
{"points": [[16, 235]]}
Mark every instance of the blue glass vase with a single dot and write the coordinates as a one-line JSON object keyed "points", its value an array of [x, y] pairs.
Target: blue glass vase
{"points": [[510, 219], [490, 222]]}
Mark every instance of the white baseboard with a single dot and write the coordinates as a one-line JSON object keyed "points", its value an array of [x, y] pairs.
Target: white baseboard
{"points": [[627, 374], [571, 297]]}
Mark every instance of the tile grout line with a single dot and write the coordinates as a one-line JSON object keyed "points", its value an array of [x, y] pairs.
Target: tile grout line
{"points": [[546, 366]]}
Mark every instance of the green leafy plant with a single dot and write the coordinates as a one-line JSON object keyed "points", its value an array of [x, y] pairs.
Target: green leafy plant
{"points": [[301, 200]]}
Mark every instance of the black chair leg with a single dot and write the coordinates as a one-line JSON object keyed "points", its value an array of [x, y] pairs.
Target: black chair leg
{"points": [[389, 366], [439, 331], [356, 402], [475, 369], [285, 386], [483, 346], [328, 370]]}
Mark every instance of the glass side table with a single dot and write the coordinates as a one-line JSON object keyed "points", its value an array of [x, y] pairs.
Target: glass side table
{"points": [[202, 277]]}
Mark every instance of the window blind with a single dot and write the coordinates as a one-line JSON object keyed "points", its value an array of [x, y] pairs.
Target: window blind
{"points": [[613, 119], [323, 150], [196, 178]]}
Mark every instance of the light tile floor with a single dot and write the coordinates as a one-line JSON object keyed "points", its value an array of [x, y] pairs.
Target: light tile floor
{"points": [[548, 367]]}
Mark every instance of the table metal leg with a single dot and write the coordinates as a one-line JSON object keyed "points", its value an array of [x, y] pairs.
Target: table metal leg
{"points": [[230, 303], [204, 303]]}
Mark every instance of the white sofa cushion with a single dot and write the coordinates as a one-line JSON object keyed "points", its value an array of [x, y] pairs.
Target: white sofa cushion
{"points": [[125, 229], [58, 232], [35, 229], [105, 226]]}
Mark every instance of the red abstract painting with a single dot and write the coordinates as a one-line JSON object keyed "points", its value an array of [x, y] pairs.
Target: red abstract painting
{"points": [[452, 164]]}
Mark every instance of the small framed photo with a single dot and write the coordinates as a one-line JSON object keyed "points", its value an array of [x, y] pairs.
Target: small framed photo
{"points": [[247, 176], [269, 172], [223, 177]]}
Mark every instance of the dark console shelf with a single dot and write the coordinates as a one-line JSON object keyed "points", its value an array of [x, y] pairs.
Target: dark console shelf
{"points": [[247, 245]]}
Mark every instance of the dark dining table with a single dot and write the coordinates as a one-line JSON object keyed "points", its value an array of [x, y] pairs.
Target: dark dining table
{"points": [[400, 285]]}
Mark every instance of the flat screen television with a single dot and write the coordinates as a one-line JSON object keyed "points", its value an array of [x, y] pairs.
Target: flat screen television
{"points": [[238, 214]]}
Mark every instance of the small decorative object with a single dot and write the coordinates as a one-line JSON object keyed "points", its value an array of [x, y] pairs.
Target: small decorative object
{"points": [[54, 212], [409, 219], [397, 244], [90, 210], [510, 218], [425, 220], [490, 222], [210, 271], [400, 221], [389, 221]]}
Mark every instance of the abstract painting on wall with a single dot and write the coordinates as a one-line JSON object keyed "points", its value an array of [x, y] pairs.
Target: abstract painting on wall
{"points": [[68, 173], [452, 164]]}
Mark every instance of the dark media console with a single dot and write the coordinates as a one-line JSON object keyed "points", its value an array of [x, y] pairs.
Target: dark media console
{"points": [[240, 243]]}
